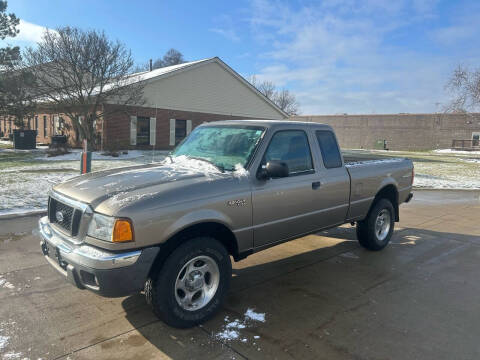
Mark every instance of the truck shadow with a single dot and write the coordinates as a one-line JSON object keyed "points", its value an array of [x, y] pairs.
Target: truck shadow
{"points": [[287, 270]]}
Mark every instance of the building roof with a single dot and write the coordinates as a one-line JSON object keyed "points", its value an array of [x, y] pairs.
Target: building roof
{"points": [[176, 69]]}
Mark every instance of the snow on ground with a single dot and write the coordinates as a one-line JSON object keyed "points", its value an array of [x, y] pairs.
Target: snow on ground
{"points": [[460, 152], [75, 155], [433, 182], [6, 332], [26, 178], [473, 161], [232, 329], [438, 169]]}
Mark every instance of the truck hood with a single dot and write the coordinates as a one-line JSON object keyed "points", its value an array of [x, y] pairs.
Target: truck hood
{"points": [[96, 187]]}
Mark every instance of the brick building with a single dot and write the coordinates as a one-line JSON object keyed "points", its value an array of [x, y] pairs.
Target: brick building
{"points": [[177, 99], [401, 131]]}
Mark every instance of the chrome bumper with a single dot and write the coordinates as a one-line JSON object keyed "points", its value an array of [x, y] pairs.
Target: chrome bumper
{"points": [[87, 267], [83, 254]]}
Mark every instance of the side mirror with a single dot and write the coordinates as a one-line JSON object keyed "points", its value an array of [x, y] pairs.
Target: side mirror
{"points": [[273, 169]]}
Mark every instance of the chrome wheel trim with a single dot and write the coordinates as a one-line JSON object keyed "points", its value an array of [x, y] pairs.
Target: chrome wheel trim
{"points": [[382, 224], [197, 283]]}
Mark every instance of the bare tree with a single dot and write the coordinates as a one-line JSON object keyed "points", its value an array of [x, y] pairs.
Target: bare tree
{"points": [[78, 71], [284, 99], [464, 87], [171, 57]]}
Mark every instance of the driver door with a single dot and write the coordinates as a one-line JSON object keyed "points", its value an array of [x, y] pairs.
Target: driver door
{"points": [[285, 207]]}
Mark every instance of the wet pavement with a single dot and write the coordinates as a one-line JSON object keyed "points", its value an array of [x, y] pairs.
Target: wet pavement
{"points": [[324, 297]]}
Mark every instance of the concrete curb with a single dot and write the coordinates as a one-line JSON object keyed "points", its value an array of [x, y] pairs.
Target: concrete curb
{"points": [[25, 214]]}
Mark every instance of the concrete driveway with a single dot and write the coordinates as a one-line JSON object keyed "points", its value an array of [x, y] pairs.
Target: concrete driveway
{"points": [[323, 297]]}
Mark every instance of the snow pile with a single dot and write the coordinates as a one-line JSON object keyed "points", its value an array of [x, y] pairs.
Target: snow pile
{"points": [[5, 284], [252, 315], [5, 331], [474, 161], [436, 182], [231, 330], [186, 165], [3, 341], [12, 355], [240, 171], [460, 152]]}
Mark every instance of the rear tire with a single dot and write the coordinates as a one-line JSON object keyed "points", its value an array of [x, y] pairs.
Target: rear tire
{"points": [[375, 231], [192, 284]]}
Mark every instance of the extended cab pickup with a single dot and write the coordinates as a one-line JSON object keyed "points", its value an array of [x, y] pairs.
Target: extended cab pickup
{"points": [[230, 189]]}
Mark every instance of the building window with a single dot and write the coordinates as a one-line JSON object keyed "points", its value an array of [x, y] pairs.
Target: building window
{"points": [[36, 122], [44, 125], [180, 130], [143, 130]]}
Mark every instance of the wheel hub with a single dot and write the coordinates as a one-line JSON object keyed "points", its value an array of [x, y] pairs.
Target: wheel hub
{"points": [[197, 283], [194, 280], [382, 224]]}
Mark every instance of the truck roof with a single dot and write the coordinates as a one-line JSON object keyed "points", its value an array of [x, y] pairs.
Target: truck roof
{"points": [[268, 123]]}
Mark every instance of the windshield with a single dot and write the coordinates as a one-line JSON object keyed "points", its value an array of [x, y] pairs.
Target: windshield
{"points": [[223, 146]]}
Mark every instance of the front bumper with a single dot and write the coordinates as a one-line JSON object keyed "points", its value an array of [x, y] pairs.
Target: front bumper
{"points": [[104, 272]]}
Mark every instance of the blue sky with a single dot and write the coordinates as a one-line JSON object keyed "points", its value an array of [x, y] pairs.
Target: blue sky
{"points": [[337, 56]]}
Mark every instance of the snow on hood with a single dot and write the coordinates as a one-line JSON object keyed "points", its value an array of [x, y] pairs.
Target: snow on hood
{"points": [[119, 184]]}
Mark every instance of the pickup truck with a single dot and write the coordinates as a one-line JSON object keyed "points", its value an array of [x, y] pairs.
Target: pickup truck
{"points": [[230, 189]]}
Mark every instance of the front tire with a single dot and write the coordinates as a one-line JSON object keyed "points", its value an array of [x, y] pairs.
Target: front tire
{"points": [[192, 283], [375, 232]]}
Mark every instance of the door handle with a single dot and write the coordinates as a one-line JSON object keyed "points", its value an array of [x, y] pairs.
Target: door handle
{"points": [[316, 185]]}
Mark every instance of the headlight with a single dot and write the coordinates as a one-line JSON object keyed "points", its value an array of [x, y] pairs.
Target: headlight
{"points": [[101, 227], [108, 228]]}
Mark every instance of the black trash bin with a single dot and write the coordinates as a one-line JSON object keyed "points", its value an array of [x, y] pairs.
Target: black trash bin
{"points": [[59, 140], [25, 139]]}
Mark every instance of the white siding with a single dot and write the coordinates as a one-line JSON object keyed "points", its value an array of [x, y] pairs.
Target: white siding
{"points": [[208, 88]]}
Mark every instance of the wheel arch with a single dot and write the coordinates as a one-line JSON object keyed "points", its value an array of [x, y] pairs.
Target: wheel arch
{"points": [[389, 192], [214, 229]]}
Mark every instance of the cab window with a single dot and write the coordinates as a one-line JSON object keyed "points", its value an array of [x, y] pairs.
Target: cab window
{"points": [[291, 147], [329, 149]]}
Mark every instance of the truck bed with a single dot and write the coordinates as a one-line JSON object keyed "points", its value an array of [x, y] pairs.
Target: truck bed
{"points": [[368, 174]]}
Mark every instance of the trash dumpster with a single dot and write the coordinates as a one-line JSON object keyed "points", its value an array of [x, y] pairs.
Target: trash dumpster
{"points": [[24, 139]]}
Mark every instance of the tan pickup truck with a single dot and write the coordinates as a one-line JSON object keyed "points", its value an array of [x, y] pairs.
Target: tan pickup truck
{"points": [[230, 189]]}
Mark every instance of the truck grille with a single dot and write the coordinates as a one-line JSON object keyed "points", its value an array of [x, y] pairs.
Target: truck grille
{"points": [[64, 216]]}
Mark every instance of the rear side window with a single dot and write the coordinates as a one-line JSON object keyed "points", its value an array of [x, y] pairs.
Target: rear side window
{"points": [[329, 149]]}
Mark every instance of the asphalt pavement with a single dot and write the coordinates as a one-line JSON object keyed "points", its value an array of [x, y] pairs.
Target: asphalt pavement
{"points": [[323, 296]]}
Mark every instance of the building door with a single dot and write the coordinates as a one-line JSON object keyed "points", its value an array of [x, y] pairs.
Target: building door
{"points": [[476, 139], [143, 130]]}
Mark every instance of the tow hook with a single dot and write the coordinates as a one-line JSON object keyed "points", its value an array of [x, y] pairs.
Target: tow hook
{"points": [[45, 248]]}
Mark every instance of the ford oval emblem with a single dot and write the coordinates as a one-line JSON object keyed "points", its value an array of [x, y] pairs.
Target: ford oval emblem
{"points": [[59, 216]]}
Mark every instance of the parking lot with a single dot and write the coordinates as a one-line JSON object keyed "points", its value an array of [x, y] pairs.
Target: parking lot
{"points": [[323, 296]]}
